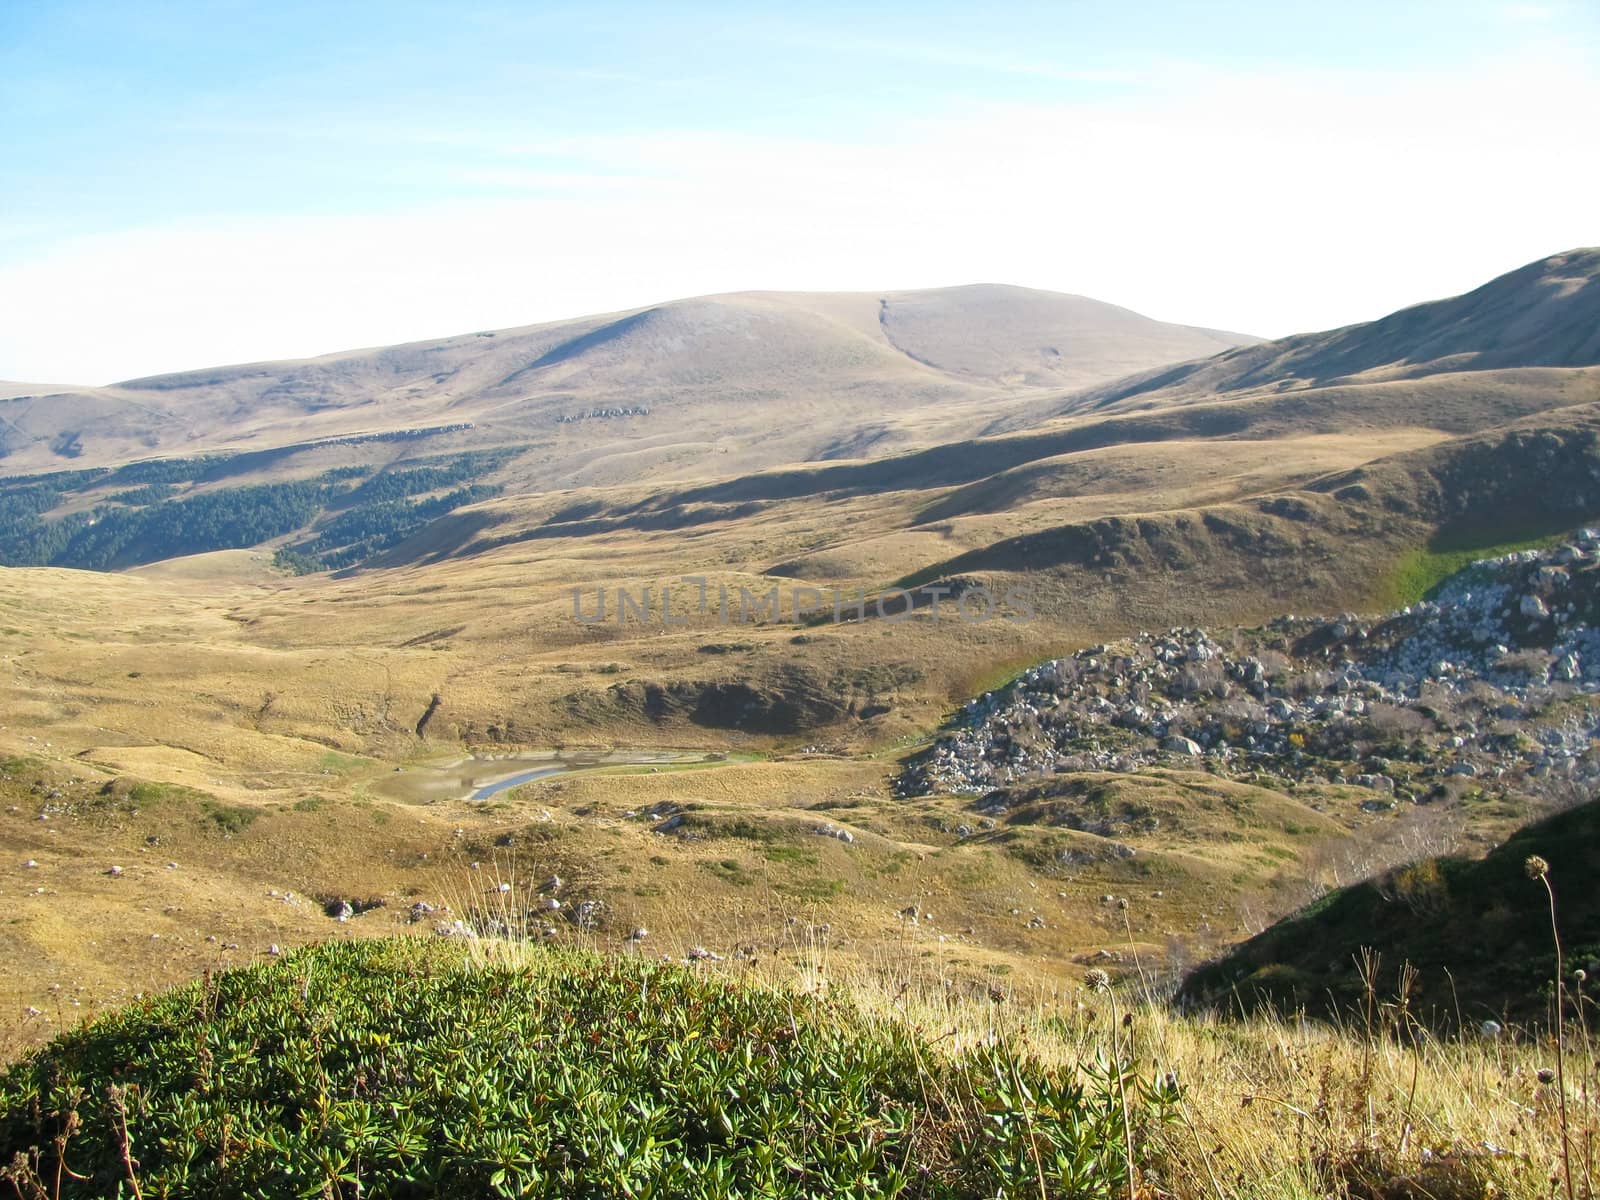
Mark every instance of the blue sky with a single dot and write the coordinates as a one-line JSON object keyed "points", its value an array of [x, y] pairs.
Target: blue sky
{"points": [[188, 183]]}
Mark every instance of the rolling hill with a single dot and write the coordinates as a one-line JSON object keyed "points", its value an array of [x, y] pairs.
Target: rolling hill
{"points": [[1027, 337], [664, 416], [714, 384]]}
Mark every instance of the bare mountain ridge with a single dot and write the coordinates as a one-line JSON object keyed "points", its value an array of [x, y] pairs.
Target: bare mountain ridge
{"points": [[765, 377], [1544, 314]]}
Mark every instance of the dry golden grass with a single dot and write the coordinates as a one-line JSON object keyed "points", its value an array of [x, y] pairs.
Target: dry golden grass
{"points": [[261, 675], [255, 855], [1275, 1108], [1272, 1107]]}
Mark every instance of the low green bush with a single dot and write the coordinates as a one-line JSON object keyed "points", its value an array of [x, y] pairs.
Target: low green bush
{"points": [[399, 1068]]}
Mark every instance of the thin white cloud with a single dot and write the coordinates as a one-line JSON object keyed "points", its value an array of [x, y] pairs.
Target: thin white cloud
{"points": [[1269, 203], [1528, 14], [930, 54]]}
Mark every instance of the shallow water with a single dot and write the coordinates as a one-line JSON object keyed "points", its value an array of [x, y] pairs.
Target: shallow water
{"points": [[489, 790], [480, 779]]}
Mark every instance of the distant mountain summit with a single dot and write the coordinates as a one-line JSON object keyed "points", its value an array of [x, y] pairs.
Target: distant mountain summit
{"points": [[1031, 338], [764, 377], [972, 396]]}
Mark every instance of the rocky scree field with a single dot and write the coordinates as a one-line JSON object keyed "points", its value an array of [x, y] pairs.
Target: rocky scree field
{"points": [[1487, 687]]}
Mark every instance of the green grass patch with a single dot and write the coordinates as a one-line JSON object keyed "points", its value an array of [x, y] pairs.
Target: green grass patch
{"points": [[814, 890], [1002, 675], [893, 864], [146, 792], [229, 819], [790, 855], [1418, 574], [743, 828], [730, 870], [388, 1068]]}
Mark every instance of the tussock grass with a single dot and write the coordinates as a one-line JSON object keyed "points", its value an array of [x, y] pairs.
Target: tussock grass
{"points": [[1276, 1106]]}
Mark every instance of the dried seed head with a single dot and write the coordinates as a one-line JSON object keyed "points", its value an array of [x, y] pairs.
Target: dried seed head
{"points": [[1536, 867], [1096, 980], [1546, 1075]]}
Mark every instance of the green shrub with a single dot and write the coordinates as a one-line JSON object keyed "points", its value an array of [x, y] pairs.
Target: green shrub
{"points": [[391, 1069], [228, 818]]}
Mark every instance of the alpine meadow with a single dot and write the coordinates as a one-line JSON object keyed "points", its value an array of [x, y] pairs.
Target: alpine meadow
{"points": [[857, 730]]}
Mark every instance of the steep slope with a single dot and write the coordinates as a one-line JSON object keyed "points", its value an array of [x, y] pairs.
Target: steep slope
{"points": [[1343, 541], [1544, 314], [1479, 934]]}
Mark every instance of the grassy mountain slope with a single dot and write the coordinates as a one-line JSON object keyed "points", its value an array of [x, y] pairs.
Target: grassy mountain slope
{"points": [[1478, 933], [752, 378], [1336, 534], [1112, 534], [717, 365]]}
